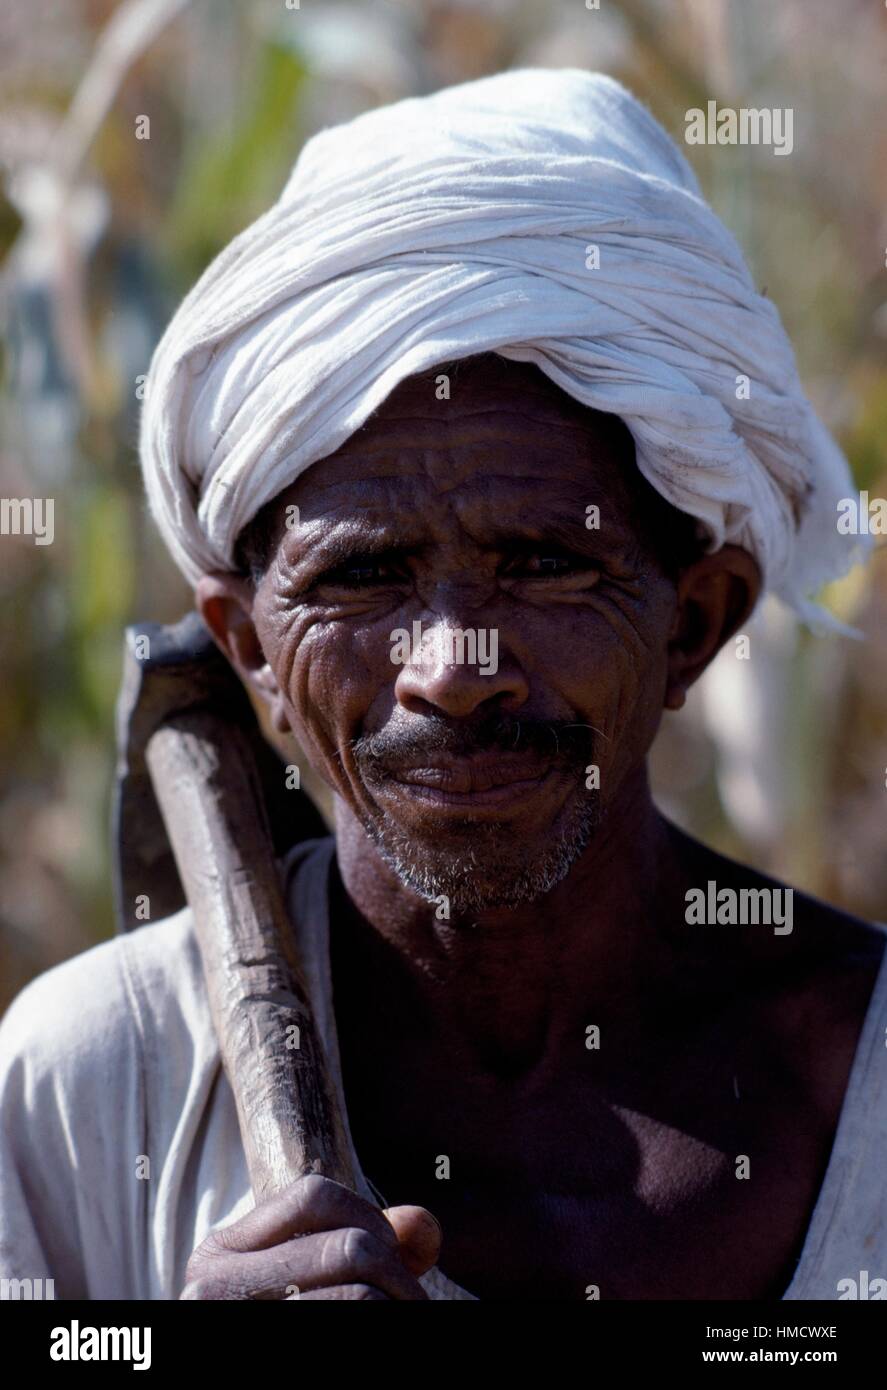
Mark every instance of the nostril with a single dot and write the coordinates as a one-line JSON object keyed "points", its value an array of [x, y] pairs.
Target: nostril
{"points": [[459, 691]]}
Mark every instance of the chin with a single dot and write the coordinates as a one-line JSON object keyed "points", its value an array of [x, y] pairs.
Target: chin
{"points": [[475, 868]]}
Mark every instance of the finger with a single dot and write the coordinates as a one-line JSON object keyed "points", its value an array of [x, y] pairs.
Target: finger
{"points": [[309, 1205], [418, 1235], [351, 1255]]}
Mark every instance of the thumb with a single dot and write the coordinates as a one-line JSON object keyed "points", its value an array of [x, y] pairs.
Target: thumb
{"points": [[418, 1235]]}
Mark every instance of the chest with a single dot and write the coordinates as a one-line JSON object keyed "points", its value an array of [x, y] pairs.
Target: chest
{"points": [[570, 1194]]}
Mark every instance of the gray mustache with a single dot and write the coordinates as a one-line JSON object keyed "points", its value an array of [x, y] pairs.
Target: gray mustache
{"points": [[389, 748]]}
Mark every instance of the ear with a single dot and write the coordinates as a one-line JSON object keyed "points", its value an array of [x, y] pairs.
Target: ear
{"points": [[715, 595], [225, 603]]}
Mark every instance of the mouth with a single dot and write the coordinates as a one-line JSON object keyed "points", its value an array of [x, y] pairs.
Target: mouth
{"points": [[471, 783]]}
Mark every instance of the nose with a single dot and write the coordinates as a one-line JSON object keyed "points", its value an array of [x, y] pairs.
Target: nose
{"points": [[456, 670]]}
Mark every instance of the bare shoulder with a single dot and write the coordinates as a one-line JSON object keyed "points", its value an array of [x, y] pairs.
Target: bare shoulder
{"points": [[809, 984], [813, 932]]}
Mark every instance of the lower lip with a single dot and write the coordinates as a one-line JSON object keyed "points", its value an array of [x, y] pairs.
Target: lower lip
{"points": [[467, 801]]}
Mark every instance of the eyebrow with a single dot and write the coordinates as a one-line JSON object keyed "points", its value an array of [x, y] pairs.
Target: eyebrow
{"points": [[335, 548], [330, 550]]}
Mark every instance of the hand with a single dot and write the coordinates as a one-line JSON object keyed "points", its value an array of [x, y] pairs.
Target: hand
{"points": [[316, 1239]]}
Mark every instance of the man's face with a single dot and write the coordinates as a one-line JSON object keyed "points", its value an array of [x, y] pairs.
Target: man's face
{"points": [[470, 765]]}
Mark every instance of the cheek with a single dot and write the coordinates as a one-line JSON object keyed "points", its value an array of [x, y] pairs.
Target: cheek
{"points": [[331, 673], [611, 669]]}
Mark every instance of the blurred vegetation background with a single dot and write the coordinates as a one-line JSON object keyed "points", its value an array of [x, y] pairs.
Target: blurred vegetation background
{"points": [[780, 760]]}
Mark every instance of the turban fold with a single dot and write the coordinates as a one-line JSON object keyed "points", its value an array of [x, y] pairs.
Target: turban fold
{"points": [[542, 215]]}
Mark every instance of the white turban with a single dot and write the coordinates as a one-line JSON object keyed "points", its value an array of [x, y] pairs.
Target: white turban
{"points": [[543, 215]]}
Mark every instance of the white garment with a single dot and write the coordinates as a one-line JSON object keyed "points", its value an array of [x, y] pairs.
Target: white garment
{"points": [[111, 1058], [543, 215]]}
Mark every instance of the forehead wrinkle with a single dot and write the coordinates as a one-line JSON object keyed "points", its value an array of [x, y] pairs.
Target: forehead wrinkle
{"points": [[497, 420], [558, 494], [410, 460], [563, 488]]}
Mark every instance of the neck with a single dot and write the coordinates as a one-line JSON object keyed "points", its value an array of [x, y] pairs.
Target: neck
{"points": [[518, 987]]}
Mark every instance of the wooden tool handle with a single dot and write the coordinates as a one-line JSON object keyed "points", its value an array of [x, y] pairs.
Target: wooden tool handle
{"points": [[210, 796]]}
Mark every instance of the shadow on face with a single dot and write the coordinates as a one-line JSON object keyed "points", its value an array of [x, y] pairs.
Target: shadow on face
{"points": [[476, 624]]}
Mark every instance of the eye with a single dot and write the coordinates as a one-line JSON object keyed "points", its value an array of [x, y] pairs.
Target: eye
{"points": [[551, 562], [362, 572]]}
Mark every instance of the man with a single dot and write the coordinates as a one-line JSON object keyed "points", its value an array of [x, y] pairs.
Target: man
{"points": [[610, 1062]]}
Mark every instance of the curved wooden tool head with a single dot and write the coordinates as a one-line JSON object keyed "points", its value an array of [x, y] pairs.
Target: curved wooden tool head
{"points": [[167, 669]]}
